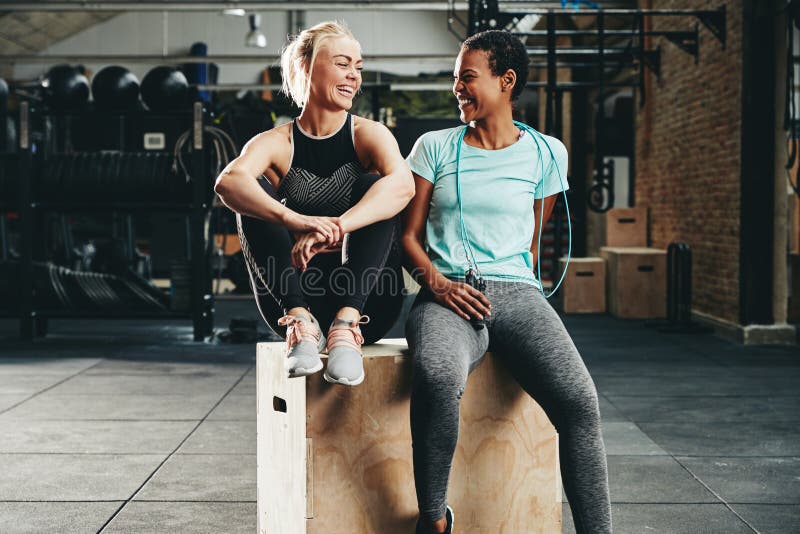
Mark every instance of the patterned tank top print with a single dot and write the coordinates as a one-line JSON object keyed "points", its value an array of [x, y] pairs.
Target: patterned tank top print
{"points": [[310, 194]]}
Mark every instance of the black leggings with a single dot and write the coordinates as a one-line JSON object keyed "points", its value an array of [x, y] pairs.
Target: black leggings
{"points": [[371, 281]]}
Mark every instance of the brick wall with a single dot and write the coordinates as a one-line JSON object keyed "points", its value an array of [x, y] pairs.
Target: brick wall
{"points": [[688, 154]]}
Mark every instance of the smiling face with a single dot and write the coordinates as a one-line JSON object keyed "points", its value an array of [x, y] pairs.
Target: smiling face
{"points": [[336, 76], [479, 91]]}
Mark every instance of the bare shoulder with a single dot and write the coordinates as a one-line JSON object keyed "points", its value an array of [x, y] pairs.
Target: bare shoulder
{"points": [[370, 139], [374, 135], [267, 150], [274, 138], [364, 128]]}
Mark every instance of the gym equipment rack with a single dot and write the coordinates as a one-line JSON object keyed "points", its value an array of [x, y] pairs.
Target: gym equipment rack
{"points": [[193, 201]]}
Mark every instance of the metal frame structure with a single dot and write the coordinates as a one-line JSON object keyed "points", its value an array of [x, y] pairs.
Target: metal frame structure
{"points": [[593, 61], [257, 5], [487, 14]]}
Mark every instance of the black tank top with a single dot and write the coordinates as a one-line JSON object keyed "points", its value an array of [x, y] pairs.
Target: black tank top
{"points": [[325, 177]]}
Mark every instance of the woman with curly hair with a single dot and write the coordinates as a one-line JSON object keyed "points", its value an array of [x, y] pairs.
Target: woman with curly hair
{"points": [[483, 192]]}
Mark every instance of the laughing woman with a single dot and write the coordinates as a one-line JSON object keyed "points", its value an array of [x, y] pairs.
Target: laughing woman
{"points": [[469, 238], [317, 231]]}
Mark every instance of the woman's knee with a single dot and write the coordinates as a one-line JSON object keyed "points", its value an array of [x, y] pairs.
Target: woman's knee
{"points": [[440, 357], [578, 405], [437, 377]]}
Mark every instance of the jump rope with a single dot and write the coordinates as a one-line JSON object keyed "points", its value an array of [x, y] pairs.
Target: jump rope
{"points": [[473, 274]]}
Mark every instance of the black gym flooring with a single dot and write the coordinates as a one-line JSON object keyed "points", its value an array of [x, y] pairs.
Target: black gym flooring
{"points": [[129, 426]]}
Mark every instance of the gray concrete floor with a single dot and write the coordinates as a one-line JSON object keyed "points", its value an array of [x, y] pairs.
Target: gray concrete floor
{"points": [[128, 426]]}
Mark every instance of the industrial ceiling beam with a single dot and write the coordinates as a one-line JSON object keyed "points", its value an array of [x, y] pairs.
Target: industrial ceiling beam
{"points": [[245, 58], [321, 5]]}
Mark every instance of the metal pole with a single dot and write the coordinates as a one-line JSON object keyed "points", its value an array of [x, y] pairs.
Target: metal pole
{"points": [[199, 265], [551, 72], [558, 227], [598, 128], [27, 313], [3, 238], [151, 5], [221, 58], [529, 7]]}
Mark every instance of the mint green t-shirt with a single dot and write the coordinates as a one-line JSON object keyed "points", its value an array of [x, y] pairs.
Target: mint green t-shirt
{"points": [[498, 188]]}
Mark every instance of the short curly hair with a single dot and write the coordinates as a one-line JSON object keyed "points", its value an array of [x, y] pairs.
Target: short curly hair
{"points": [[505, 52]]}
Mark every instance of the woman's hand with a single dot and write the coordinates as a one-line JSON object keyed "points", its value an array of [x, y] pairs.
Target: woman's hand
{"points": [[328, 227], [305, 247], [463, 299]]}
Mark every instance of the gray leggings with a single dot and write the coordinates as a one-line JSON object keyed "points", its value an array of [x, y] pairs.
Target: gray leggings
{"points": [[530, 339]]}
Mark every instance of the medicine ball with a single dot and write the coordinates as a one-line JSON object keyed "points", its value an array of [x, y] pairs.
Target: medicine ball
{"points": [[65, 87], [165, 88], [115, 88]]}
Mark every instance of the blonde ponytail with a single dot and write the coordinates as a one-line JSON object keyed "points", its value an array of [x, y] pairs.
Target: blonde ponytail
{"points": [[297, 58]]}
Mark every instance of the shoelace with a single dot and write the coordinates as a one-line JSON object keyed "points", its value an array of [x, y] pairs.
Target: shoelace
{"points": [[299, 329], [347, 335]]}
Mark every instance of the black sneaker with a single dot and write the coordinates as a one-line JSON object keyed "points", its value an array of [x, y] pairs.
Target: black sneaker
{"points": [[422, 529]]}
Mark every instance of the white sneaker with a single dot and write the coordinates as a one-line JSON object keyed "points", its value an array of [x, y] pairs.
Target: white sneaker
{"points": [[304, 341]]}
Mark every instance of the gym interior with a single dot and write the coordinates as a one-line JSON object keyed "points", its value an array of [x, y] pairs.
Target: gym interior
{"points": [[135, 394]]}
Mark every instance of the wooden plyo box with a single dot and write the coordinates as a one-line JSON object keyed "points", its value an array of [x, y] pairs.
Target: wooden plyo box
{"points": [[333, 459], [626, 227], [636, 282], [584, 287]]}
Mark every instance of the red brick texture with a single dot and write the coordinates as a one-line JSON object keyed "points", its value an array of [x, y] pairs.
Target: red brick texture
{"points": [[688, 154]]}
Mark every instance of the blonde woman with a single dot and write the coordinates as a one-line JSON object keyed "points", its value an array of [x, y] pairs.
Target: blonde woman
{"points": [[318, 231]]}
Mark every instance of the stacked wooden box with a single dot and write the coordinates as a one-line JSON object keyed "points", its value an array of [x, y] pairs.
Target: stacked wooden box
{"points": [[629, 279], [584, 287], [636, 284]]}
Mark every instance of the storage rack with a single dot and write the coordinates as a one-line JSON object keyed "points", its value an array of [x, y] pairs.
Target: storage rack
{"points": [[33, 319]]}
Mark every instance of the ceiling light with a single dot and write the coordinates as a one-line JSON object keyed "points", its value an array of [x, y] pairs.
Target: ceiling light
{"points": [[254, 37]]}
